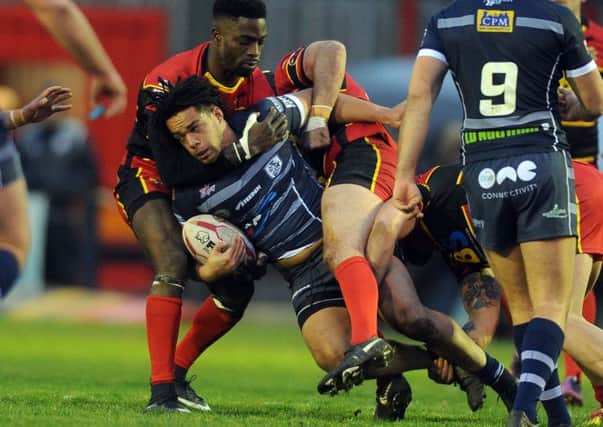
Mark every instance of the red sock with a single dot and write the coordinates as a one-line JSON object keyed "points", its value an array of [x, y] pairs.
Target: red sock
{"points": [[361, 295], [209, 324], [163, 321]]}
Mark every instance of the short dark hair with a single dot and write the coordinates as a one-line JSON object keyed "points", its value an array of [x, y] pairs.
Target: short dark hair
{"points": [[252, 9], [194, 91]]}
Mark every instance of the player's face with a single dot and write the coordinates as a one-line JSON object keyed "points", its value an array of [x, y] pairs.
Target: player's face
{"points": [[199, 132], [240, 43]]}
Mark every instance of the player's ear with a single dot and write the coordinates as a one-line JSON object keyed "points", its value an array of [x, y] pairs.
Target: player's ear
{"points": [[216, 35], [217, 112]]}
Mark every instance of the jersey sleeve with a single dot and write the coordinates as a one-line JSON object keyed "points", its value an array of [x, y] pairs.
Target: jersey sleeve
{"points": [[432, 45], [289, 74], [576, 60], [289, 105]]}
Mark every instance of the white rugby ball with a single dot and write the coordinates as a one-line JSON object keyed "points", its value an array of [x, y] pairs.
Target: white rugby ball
{"points": [[201, 233]]}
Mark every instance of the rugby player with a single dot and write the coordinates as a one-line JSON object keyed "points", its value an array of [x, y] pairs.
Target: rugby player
{"points": [[584, 146], [230, 62], [281, 217], [14, 220], [516, 169]]}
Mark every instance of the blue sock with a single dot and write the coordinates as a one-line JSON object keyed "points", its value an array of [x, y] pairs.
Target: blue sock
{"points": [[552, 400], [518, 334], [9, 271], [540, 348], [491, 373]]}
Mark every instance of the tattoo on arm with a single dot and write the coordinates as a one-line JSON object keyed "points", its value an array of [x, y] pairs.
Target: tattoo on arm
{"points": [[480, 291]]}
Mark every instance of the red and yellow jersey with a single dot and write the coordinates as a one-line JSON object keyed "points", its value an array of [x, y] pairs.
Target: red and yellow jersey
{"points": [[175, 166], [583, 136]]}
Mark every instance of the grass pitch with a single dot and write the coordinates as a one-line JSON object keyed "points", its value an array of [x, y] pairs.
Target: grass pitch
{"points": [[62, 374]]}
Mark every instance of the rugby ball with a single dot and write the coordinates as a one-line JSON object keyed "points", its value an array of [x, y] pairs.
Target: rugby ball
{"points": [[202, 232]]}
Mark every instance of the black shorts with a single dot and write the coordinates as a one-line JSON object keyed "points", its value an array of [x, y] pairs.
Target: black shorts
{"points": [[10, 161], [521, 198], [312, 287], [138, 182], [369, 162]]}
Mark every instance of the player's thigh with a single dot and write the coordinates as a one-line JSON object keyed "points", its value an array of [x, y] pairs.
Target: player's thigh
{"points": [[14, 221], [363, 176], [509, 271]]}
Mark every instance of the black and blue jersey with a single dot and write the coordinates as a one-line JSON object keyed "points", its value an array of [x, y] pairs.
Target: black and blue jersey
{"points": [[506, 58], [274, 198]]}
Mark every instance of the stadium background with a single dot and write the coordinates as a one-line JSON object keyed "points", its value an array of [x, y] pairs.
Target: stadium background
{"points": [[381, 36]]}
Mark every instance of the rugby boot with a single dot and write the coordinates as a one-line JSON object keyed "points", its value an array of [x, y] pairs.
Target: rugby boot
{"points": [[375, 353], [188, 397], [393, 397], [472, 386], [572, 392], [596, 418], [519, 419], [167, 403]]}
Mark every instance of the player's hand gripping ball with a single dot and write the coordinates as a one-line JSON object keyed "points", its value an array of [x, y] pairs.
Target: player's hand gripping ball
{"points": [[202, 232]]}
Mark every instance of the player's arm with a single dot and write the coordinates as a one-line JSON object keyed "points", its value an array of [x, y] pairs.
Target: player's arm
{"points": [[351, 109], [425, 84], [66, 22], [586, 100], [481, 295], [51, 100]]}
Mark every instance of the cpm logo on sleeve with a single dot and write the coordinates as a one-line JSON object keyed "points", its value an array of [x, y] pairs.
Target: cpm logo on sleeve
{"points": [[495, 21]]}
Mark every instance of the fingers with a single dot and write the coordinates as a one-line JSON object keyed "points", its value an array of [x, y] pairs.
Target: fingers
{"points": [[116, 106]]}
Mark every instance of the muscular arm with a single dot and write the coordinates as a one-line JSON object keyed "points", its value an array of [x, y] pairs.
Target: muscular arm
{"points": [[481, 298], [324, 64], [351, 109], [589, 91], [66, 22]]}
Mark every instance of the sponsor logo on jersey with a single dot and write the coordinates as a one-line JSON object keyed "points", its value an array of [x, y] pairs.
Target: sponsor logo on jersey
{"points": [[248, 198], [555, 213], [274, 166], [490, 3], [472, 136], [495, 21], [486, 178]]}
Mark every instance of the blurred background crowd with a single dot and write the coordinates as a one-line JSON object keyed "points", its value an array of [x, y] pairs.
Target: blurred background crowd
{"points": [[70, 162]]}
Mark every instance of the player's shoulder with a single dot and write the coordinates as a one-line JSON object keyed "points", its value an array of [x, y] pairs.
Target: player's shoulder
{"points": [[183, 64]]}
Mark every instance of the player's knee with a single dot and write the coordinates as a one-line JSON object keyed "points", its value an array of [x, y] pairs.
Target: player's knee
{"points": [[232, 296], [328, 356]]}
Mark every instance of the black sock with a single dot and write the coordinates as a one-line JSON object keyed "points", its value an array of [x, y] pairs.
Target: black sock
{"points": [[163, 390], [180, 373]]}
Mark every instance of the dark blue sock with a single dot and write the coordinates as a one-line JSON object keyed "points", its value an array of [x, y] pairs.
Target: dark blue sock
{"points": [[9, 271], [552, 400], [492, 372], [540, 348], [518, 334]]}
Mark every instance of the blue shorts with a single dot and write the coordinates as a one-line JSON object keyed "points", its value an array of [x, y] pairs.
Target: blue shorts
{"points": [[521, 198]]}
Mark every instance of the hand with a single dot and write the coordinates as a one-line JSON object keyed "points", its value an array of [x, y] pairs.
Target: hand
{"points": [[399, 222], [569, 104], [407, 197], [264, 134], [223, 260], [112, 88], [442, 372], [52, 100], [394, 115], [315, 139]]}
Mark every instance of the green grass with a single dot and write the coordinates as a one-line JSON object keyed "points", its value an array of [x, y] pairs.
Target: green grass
{"points": [[60, 374]]}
